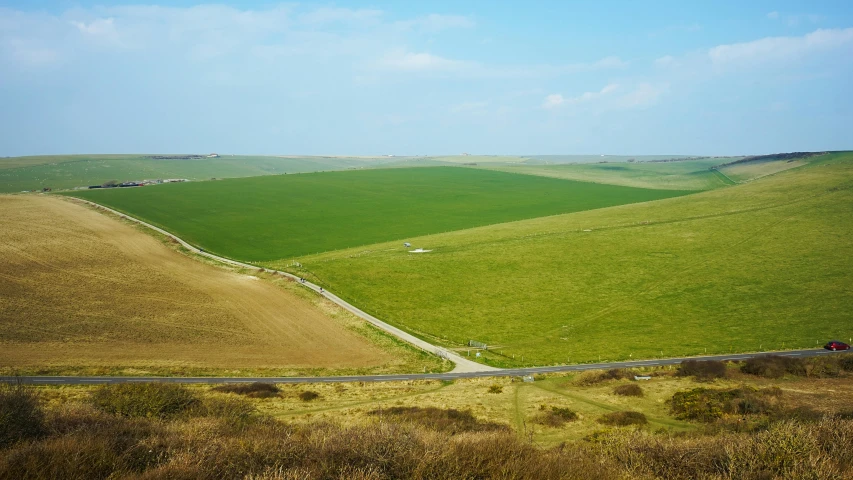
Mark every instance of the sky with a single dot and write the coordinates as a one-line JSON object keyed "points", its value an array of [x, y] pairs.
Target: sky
{"points": [[426, 77]]}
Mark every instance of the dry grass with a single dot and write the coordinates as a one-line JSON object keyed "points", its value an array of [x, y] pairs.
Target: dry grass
{"points": [[79, 441], [82, 291]]}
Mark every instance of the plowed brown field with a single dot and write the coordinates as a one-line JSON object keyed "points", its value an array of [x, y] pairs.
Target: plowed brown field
{"points": [[78, 288]]}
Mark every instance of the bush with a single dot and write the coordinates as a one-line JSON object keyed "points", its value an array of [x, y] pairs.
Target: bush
{"points": [[702, 370], [628, 390], [21, 416], [593, 377], [846, 362], [496, 389], [555, 416], [235, 411], [251, 390], [308, 395], [450, 421], [149, 400], [707, 405], [622, 419], [774, 366]]}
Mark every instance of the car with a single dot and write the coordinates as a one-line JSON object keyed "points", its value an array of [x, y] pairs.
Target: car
{"points": [[836, 345]]}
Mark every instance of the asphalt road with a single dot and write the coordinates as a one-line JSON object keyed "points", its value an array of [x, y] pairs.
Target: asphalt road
{"points": [[395, 378]]}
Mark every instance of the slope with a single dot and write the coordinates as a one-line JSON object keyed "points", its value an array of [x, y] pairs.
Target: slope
{"points": [[82, 291], [764, 265]]}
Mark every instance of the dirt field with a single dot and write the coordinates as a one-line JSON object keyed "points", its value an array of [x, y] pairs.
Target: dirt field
{"points": [[80, 289]]}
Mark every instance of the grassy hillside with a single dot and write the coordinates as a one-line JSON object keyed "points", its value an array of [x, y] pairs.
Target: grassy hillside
{"points": [[677, 175], [764, 265], [70, 171], [268, 218]]}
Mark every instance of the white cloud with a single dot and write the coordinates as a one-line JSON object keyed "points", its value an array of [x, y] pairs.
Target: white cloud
{"points": [[329, 15], [782, 48], [435, 23], [470, 107], [645, 94], [665, 61], [101, 26], [553, 100], [557, 100], [400, 59]]}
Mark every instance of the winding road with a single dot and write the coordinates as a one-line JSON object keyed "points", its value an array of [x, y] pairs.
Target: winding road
{"points": [[396, 378], [464, 368]]}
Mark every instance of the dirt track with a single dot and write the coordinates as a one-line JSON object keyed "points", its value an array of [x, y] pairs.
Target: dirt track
{"points": [[79, 288]]}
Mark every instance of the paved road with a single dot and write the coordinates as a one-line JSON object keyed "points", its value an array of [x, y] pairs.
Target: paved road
{"points": [[462, 364], [395, 378]]}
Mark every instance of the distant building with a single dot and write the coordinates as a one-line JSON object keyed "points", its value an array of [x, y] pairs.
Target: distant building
{"points": [[213, 155]]}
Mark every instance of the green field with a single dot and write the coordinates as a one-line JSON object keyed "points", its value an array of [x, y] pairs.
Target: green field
{"points": [[677, 175], [71, 171], [275, 217], [759, 266]]}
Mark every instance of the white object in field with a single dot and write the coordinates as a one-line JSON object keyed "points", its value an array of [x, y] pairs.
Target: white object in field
{"points": [[587, 230], [642, 377], [478, 354], [419, 250], [527, 378], [407, 244]]}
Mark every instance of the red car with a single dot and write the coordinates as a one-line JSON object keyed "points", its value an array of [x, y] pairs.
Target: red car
{"points": [[836, 345]]}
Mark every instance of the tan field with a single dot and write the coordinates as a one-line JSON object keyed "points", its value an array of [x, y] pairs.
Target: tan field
{"points": [[81, 290]]}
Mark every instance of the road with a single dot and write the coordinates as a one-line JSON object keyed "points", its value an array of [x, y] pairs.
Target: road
{"points": [[395, 378], [462, 364]]}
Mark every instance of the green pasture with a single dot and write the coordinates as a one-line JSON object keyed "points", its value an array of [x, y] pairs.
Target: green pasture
{"points": [[676, 175], [71, 171], [285, 216], [760, 266]]}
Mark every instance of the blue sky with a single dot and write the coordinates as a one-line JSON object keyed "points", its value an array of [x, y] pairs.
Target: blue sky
{"points": [[425, 78]]}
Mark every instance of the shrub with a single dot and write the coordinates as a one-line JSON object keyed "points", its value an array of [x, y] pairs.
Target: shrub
{"points": [[702, 370], [252, 390], [774, 366], [707, 405], [150, 400], [21, 416], [628, 390], [450, 421], [555, 416], [846, 362], [593, 377], [622, 419], [496, 389], [235, 411], [308, 395], [823, 367]]}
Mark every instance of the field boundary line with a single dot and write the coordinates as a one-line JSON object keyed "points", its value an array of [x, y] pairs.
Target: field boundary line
{"points": [[462, 365]]}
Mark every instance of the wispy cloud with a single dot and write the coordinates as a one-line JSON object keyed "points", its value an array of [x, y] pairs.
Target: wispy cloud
{"points": [[328, 15], [401, 59], [782, 48], [794, 20], [435, 23], [666, 61], [558, 100], [643, 95]]}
